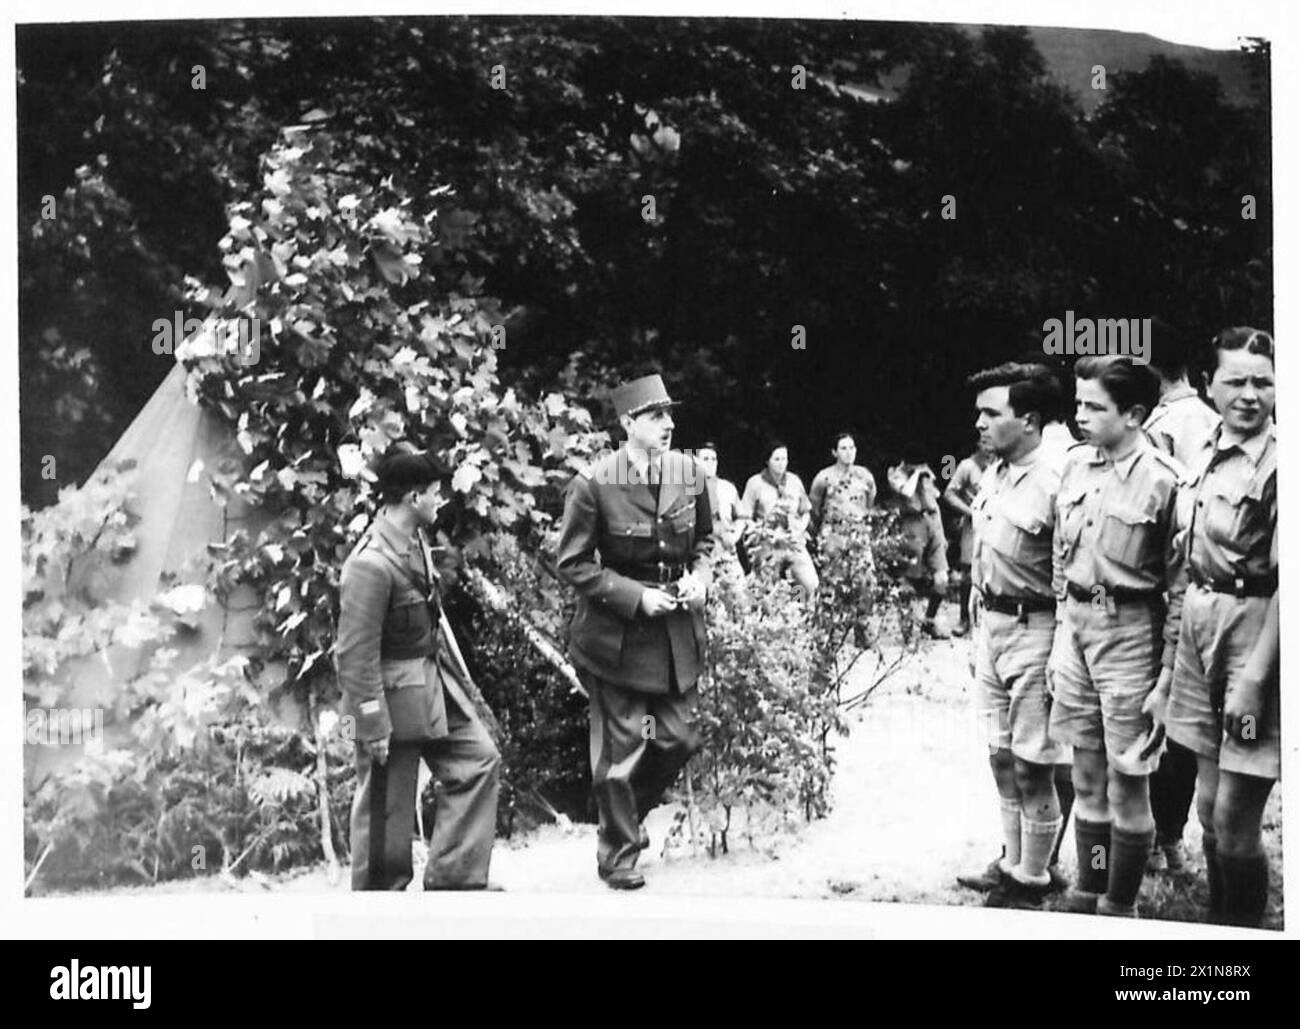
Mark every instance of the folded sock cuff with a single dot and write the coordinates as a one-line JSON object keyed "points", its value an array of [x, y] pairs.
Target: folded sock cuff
{"points": [[1136, 840], [1041, 828]]}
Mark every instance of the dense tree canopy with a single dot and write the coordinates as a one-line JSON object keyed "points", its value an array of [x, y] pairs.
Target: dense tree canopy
{"points": [[773, 206]]}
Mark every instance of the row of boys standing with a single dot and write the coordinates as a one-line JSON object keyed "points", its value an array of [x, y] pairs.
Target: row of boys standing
{"points": [[1122, 592]]}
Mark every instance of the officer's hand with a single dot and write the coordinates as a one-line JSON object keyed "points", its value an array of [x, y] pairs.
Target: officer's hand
{"points": [[690, 591], [377, 750], [656, 602]]}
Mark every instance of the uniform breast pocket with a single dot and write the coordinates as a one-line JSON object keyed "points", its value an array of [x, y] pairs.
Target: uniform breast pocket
{"points": [[1018, 534], [1070, 510], [1128, 533], [681, 520]]}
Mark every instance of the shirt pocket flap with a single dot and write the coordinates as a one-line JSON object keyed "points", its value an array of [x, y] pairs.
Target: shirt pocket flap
{"points": [[1024, 518], [1132, 514]]}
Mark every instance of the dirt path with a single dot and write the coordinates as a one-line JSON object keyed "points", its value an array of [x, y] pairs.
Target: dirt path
{"points": [[913, 807]]}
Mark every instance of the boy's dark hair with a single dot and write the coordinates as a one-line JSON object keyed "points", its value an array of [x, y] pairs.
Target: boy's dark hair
{"points": [[1170, 351], [1242, 337], [1032, 388], [1127, 382], [708, 444], [843, 434], [773, 446]]}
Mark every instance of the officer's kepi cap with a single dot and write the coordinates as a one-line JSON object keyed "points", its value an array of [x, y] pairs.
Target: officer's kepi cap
{"points": [[641, 395], [398, 473]]}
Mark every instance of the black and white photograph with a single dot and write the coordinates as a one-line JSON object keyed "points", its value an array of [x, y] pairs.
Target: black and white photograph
{"points": [[651, 461]]}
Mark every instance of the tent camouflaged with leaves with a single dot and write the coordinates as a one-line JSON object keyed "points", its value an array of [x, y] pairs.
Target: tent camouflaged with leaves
{"points": [[176, 453]]}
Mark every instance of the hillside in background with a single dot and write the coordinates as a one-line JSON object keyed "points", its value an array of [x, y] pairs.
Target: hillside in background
{"points": [[1071, 53]]}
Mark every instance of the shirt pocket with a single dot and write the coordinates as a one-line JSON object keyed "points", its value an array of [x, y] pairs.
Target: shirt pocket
{"points": [[1128, 533], [1018, 534], [1071, 511]]}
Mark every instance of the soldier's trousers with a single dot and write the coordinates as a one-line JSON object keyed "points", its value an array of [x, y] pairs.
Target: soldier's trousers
{"points": [[639, 742], [465, 762]]}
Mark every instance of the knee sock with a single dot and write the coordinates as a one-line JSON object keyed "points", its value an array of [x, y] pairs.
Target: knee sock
{"points": [[965, 599], [1213, 875], [1128, 863], [1245, 888], [1092, 842], [1010, 833], [1036, 848], [1065, 791], [932, 606]]}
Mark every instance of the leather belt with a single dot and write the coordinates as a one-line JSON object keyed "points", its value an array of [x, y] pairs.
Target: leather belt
{"points": [[1117, 594], [661, 572], [1236, 586], [1017, 605]]}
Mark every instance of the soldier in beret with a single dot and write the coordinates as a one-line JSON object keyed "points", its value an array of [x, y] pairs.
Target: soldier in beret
{"points": [[401, 689], [634, 542]]}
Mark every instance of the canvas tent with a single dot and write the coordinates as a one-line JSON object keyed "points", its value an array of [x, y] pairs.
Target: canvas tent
{"points": [[173, 446]]}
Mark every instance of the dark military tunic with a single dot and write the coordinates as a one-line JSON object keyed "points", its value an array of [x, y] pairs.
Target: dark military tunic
{"points": [[399, 680], [616, 541]]}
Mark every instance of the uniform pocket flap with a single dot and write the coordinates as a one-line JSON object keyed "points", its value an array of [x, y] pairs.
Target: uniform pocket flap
{"points": [[1026, 520], [1131, 514], [400, 673]]}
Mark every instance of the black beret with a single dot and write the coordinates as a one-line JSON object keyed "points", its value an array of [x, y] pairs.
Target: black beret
{"points": [[399, 473]]}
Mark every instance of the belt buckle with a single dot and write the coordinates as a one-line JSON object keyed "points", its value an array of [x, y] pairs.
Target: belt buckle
{"points": [[664, 578], [1239, 586]]}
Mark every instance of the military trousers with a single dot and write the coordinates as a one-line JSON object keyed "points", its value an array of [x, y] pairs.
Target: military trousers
{"points": [[639, 744], [465, 762]]}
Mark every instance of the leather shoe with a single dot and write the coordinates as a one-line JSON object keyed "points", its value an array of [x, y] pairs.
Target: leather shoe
{"points": [[1012, 893], [989, 879], [622, 878]]}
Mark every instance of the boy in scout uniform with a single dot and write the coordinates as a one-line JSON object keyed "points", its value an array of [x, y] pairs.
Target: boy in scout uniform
{"points": [[1013, 515], [1180, 425], [401, 691], [634, 542], [1112, 561], [1225, 683]]}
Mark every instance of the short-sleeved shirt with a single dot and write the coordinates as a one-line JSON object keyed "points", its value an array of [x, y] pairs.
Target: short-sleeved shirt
{"points": [[842, 494], [1230, 506], [1014, 516], [1114, 520], [779, 503], [1181, 424]]}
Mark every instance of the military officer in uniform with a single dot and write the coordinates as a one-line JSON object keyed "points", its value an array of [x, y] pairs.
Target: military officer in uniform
{"points": [[402, 693], [634, 542]]}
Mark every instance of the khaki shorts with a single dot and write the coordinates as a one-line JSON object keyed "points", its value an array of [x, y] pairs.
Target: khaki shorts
{"points": [[1011, 698], [1103, 665], [1215, 639]]}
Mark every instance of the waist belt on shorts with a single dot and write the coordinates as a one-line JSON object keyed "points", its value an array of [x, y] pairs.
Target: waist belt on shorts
{"points": [[662, 572], [1119, 594], [1017, 605], [1236, 586]]}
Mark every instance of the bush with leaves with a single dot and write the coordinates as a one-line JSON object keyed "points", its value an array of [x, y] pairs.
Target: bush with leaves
{"points": [[771, 699]]}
